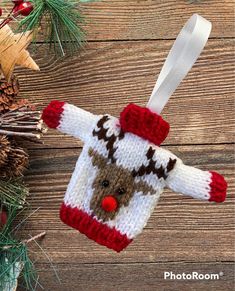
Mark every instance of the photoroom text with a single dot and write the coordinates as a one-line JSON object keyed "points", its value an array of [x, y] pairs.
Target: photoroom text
{"points": [[192, 276]]}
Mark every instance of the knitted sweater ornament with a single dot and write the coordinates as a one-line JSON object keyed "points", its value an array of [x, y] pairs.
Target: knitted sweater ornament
{"points": [[122, 169]]}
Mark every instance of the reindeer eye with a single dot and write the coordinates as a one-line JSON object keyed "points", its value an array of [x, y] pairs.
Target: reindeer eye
{"points": [[105, 183], [121, 191]]}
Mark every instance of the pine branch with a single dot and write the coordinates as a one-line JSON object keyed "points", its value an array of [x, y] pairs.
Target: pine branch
{"points": [[14, 261], [26, 241], [13, 193], [14, 256], [63, 22]]}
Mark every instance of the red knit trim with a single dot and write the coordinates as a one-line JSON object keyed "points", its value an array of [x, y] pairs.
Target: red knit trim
{"points": [[97, 231], [144, 123], [218, 187], [51, 115]]}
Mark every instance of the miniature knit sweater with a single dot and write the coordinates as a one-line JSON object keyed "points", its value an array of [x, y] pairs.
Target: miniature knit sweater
{"points": [[122, 171]]}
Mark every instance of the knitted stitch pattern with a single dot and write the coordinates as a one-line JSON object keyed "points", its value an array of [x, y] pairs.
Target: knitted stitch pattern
{"points": [[122, 171], [144, 123]]}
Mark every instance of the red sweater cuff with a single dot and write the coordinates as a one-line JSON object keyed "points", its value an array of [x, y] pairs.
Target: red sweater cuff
{"points": [[218, 187], [51, 115], [144, 123]]}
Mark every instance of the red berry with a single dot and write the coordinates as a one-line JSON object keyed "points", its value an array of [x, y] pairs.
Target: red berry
{"points": [[0, 11], [25, 8], [15, 9], [3, 218], [109, 203]]}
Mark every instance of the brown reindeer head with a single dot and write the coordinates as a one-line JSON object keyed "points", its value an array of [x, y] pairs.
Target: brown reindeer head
{"points": [[114, 186]]}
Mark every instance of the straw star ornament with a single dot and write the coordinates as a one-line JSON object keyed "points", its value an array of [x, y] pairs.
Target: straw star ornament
{"points": [[13, 51]]}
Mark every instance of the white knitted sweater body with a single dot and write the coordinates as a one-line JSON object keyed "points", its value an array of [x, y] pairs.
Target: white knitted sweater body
{"points": [[120, 158], [131, 153]]}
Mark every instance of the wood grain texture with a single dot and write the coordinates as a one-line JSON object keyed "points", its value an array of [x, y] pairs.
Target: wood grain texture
{"points": [[107, 77], [152, 19], [180, 229], [135, 277], [69, 246], [127, 44]]}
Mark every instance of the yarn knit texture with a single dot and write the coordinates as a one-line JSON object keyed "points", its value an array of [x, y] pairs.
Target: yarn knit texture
{"points": [[122, 171]]}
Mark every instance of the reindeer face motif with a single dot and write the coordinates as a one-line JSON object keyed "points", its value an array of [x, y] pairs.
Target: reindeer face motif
{"points": [[114, 186]]}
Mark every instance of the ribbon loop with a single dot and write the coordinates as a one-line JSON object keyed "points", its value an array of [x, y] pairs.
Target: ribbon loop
{"points": [[182, 56]]}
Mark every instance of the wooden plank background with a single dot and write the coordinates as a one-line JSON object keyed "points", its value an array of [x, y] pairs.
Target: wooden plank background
{"points": [[127, 44]]}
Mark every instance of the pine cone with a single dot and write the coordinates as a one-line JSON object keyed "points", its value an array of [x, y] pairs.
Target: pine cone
{"points": [[8, 93], [5, 148], [16, 161]]}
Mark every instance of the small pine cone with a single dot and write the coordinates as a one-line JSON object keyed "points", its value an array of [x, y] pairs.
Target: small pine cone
{"points": [[17, 162], [8, 93], [5, 148]]}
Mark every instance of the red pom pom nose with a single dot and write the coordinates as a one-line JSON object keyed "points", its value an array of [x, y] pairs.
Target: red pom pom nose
{"points": [[109, 203]]}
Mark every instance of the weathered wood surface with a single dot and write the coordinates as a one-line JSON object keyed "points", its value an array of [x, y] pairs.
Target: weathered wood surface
{"points": [[128, 42], [50, 172], [135, 276], [181, 229], [109, 75], [153, 19]]}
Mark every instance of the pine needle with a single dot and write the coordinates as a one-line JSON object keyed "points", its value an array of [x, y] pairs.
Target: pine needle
{"points": [[14, 258], [63, 22], [13, 193]]}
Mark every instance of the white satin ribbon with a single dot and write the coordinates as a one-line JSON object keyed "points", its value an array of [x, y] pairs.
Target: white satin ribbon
{"points": [[183, 54]]}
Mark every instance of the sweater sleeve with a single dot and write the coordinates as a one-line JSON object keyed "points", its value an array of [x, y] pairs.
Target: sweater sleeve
{"points": [[204, 185], [69, 119]]}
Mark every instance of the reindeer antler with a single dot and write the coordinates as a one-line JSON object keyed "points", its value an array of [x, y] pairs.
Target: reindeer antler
{"points": [[151, 167], [101, 133]]}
